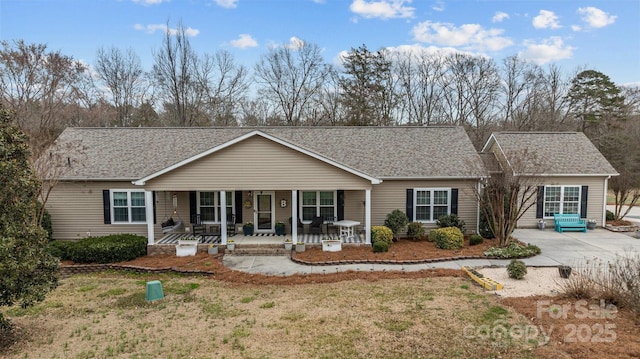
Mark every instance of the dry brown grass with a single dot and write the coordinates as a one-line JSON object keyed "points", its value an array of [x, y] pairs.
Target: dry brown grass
{"points": [[105, 315]]}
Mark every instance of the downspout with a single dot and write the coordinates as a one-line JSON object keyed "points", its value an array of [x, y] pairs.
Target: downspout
{"points": [[604, 196], [367, 216], [478, 209]]}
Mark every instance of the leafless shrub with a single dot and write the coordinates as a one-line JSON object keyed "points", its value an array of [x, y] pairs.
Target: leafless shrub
{"points": [[616, 282]]}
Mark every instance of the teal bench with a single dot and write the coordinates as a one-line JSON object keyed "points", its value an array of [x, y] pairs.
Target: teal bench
{"points": [[569, 222]]}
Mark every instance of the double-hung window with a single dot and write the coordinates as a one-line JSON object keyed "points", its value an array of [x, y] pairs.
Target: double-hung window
{"points": [[318, 203], [561, 199], [128, 206], [209, 206], [431, 203]]}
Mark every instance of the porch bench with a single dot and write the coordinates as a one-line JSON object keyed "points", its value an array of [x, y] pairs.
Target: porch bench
{"points": [[569, 222]]}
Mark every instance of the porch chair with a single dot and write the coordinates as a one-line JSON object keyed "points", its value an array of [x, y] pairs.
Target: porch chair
{"points": [[300, 225], [231, 224], [316, 225], [331, 228]]}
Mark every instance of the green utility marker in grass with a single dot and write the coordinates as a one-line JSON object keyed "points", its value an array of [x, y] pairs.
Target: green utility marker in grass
{"points": [[154, 291]]}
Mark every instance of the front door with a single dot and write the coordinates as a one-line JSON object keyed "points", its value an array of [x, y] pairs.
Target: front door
{"points": [[263, 217]]}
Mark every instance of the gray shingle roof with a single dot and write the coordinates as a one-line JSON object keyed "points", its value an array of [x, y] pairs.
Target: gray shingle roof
{"points": [[381, 152], [556, 153]]}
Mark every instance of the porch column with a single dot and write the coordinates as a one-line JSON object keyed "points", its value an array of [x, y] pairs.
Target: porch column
{"points": [[294, 216], [223, 217], [148, 200], [367, 216]]}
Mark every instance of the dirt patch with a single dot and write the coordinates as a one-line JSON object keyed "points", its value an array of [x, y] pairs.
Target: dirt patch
{"points": [[581, 329]]}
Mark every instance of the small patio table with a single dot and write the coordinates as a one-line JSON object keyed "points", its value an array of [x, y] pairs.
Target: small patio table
{"points": [[346, 228]]}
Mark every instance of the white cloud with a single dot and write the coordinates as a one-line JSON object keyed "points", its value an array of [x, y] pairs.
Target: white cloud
{"points": [[499, 16], [152, 28], [596, 18], [467, 36], [551, 49], [576, 27], [546, 20], [229, 4], [295, 43], [438, 6], [384, 9], [149, 2], [244, 41]]}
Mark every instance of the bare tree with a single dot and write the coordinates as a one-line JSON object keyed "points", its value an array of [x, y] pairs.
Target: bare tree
{"points": [[420, 81], [123, 75], [505, 197], [224, 83], [291, 77], [175, 78], [38, 85]]}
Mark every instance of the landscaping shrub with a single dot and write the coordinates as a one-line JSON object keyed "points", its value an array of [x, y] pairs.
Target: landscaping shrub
{"points": [[483, 227], [108, 249], [447, 238], [381, 234], [380, 246], [475, 239], [415, 230], [513, 250], [616, 282], [396, 221], [451, 220], [610, 216], [59, 249], [516, 269]]}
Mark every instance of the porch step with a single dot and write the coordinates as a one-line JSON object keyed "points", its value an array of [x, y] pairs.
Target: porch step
{"points": [[260, 250]]}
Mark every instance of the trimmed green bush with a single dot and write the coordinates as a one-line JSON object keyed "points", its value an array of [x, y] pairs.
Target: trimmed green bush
{"points": [[380, 246], [396, 221], [108, 249], [381, 234], [451, 220], [610, 216], [475, 239], [516, 269], [447, 238], [415, 230], [513, 250], [59, 249]]}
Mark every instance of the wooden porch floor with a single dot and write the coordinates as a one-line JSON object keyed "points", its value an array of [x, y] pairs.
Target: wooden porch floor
{"points": [[259, 238]]}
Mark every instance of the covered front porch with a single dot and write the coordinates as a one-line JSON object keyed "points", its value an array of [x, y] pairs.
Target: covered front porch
{"points": [[258, 239], [260, 180]]}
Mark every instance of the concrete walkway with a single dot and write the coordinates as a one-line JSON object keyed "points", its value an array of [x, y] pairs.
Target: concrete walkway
{"points": [[570, 248]]}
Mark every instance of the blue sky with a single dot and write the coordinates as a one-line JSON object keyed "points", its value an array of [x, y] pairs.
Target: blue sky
{"points": [[576, 34]]}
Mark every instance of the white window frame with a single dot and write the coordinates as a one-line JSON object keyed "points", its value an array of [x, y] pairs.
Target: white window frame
{"points": [[129, 206], [562, 202], [431, 205], [216, 205], [317, 205]]}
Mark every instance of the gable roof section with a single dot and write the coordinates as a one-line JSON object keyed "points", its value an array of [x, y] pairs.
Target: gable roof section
{"points": [[558, 153], [371, 152], [244, 137]]}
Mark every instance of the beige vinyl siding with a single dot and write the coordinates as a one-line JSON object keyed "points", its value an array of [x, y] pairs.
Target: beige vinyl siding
{"points": [[391, 195], [257, 163], [76, 210], [595, 200]]}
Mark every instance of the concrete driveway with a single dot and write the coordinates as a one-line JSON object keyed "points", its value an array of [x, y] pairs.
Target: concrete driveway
{"points": [[569, 248], [573, 248]]}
